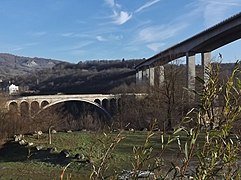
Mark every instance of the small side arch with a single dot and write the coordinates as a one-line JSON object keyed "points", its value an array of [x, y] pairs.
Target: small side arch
{"points": [[13, 107], [34, 107], [105, 103], [97, 101], [24, 109], [113, 106], [44, 103]]}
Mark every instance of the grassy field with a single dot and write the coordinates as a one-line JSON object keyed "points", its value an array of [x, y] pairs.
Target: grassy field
{"points": [[23, 162]]}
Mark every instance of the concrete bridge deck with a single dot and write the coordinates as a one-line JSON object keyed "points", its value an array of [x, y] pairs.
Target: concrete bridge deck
{"points": [[208, 40], [204, 42]]}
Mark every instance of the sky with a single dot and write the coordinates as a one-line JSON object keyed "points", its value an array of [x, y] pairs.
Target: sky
{"points": [[79, 30]]}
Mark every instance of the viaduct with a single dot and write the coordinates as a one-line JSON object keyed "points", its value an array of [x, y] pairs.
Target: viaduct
{"points": [[35, 104], [205, 42]]}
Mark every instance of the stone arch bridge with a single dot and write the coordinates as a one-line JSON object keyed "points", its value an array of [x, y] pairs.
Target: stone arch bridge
{"points": [[34, 104]]}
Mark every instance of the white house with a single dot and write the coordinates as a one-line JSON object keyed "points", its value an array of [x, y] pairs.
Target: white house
{"points": [[13, 89]]}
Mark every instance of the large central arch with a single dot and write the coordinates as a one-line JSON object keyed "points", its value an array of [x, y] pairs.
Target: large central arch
{"points": [[98, 106]]}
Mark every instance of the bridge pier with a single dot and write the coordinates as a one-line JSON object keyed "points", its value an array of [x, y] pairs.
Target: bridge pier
{"points": [[139, 76], [190, 70], [143, 75], [152, 76], [160, 75], [206, 60], [190, 74], [147, 74]]}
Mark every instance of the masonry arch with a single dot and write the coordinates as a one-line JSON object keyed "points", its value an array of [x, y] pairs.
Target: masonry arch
{"points": [[24, 109], [44, 103], [105, 103], [97, 101], [34, 107], [13, 107], [113, 105]]}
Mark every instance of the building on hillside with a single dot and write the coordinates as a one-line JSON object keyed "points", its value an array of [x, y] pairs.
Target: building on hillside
{"points": [[13, 89]]}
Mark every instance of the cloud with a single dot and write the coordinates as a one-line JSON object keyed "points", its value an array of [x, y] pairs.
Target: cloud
{"points": [[41, 33], [101, 35], [115, 37], [119, 16], [69, 34], [74, 35], [148, 4], [18, 48], [80, 45], [216, 11], [111, 3], [156, 46], [155, 37], [23, 46], [100, 38], [158, 33], [78, 52], [222, 2], [131, 48]]}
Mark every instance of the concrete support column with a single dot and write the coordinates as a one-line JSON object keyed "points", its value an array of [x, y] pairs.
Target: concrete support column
{"points": [[161, 75], [140, 75], [152, 76], [206, 60], [191, 72], [148, 73], [137, 77], [144, 76]]}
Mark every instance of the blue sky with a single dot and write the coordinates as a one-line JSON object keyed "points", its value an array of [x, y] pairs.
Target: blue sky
{"points": [[74, 30]]}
